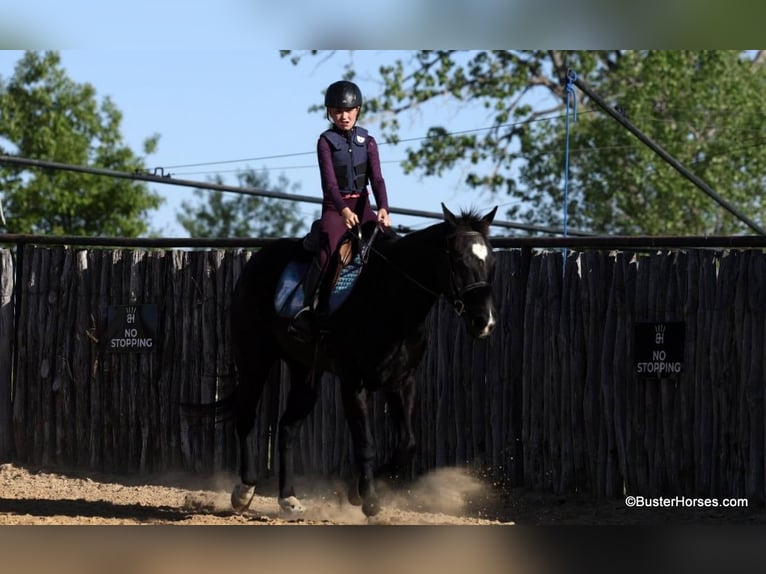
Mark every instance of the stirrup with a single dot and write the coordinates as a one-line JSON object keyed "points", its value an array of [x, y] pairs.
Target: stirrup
{"points": [[302, 324], [303, 313]]}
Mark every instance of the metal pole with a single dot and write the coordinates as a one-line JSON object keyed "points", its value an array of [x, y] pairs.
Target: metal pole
{"points": [[168, 180], [655, 147]]}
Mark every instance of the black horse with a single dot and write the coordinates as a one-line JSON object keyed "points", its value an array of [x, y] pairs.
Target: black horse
{"points": [[374, 341]]}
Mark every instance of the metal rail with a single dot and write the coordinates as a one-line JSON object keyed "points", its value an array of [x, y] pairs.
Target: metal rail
{"points": [[166, 179], [594, 242]]}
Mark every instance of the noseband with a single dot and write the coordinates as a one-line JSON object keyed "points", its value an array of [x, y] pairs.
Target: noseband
{"points": [[459, 293]]}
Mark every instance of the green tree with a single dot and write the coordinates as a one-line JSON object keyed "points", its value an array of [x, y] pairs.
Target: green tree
{"points": [[220, 214], [704, 107], [45, 115]]}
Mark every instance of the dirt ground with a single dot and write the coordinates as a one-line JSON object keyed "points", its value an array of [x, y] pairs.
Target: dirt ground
{"points": [[445, 497], [38, 496], [485, 540]]}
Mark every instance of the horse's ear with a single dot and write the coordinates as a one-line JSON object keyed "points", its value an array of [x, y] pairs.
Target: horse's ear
{"points": [[486, 221], [449, 217]]}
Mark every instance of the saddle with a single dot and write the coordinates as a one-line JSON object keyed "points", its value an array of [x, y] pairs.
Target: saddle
{"points": [[343, 271]]}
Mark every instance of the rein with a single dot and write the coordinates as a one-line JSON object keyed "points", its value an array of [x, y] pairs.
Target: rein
{"points": [[457, 294], [403, 272]]}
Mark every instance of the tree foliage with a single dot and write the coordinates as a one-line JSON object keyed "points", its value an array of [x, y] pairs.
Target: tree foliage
{"points": [[230, 215], [45, 115], [706, 108]]}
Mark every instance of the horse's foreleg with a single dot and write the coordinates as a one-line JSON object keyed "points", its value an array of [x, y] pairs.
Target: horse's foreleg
{"points": [[300, 402], [357, 417], [252, 375], [400, 406]]}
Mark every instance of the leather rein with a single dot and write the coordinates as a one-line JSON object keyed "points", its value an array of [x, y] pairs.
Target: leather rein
{"points": [[457, 294]]}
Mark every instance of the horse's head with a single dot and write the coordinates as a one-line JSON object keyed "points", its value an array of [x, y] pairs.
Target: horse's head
{"points": [[470, 270]]}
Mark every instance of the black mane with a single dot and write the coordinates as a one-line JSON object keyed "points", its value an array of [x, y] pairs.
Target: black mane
{"points": [[471, 220]]}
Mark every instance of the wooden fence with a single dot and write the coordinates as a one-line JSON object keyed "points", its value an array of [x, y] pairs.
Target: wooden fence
{"points": [[551, 401]]}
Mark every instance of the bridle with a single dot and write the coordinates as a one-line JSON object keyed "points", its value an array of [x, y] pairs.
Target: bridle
{"points": [[459, 293]]}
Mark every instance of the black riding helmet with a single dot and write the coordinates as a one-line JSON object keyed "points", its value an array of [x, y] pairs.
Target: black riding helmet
{"points": [[343, 95]]}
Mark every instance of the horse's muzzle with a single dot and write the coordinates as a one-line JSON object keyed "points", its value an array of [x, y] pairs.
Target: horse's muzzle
{"points": [[482, 324]]}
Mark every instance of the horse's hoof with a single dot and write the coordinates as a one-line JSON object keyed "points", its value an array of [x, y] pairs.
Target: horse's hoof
{"points": [[242, 496], [291, 505], [354, 497], [371, 507]]}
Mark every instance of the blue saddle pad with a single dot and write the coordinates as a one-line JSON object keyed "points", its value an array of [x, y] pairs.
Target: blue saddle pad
{"points": [[288, 298]]}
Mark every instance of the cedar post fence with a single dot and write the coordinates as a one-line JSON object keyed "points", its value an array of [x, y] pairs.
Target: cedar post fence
{"points": [[551, 401]]}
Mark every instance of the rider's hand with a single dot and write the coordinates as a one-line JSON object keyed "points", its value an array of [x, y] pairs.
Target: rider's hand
{"points": [[350, 218], [383, 218]]}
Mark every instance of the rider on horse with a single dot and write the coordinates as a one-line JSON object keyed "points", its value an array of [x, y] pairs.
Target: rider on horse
{"points": [[348, 161]]}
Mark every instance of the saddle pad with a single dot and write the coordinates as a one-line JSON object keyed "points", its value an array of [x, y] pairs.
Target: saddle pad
{"points": [[288, 297]]}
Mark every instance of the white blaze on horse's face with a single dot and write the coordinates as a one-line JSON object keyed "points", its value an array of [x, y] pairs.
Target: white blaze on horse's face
{"points": [[480, 250]]}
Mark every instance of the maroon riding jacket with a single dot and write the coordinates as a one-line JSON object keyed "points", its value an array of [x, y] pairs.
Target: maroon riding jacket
{"points": [[347, 162]]}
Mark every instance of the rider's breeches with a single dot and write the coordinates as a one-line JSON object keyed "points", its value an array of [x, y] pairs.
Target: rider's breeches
{"points": [[333, 226]]}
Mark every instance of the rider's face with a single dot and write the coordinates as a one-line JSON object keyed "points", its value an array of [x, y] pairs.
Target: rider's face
{"points": [[343, 118]]}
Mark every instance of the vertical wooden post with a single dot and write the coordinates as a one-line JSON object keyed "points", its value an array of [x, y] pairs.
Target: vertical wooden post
{"points": [[6, 353]]}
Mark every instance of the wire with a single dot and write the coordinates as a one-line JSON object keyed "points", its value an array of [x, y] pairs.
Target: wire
{"points": [[225, 161], [282, 168], [387, 142]]}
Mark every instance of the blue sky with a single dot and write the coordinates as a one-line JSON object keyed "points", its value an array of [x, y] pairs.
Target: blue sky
{"points": [[224, 105], [245, 24], [248, 24]]}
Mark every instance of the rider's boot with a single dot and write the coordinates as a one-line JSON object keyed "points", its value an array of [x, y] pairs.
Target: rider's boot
{"points": [[303, 325]]}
